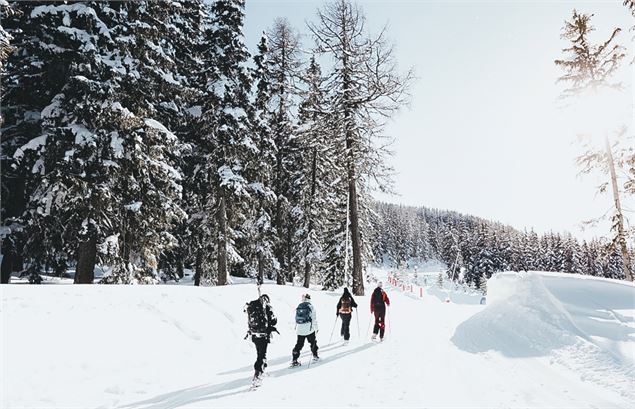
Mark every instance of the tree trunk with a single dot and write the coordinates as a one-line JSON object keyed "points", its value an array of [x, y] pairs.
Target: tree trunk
{"points": [[86, 257], [222, 243], [281, 276], [307, 264], [358, 278], [621, 236], [198, 268], [289, 241], [8, 254], [307, 274], [179, 266], [261, 270]]}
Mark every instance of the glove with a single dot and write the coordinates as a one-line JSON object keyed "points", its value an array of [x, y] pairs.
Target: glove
{"points": [[337, 314]]}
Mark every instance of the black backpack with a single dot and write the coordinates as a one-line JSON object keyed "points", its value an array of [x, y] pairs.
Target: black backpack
{"points": [[256, 317], [378, 297]]}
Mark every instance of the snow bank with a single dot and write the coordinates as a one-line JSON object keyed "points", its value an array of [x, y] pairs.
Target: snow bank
{"points": [[556, 316], [523, 319]]}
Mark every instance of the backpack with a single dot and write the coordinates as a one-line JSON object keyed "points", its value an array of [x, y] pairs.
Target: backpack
{"points": [[378, 297], [256, 317], [303, 313], [345, 305]]}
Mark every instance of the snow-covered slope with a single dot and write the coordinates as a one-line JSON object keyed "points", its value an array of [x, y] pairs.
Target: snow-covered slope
{"points": [[543, 340]]}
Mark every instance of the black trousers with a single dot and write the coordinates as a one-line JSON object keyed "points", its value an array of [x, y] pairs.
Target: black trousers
{"points": [[261, 350], [380, 323], [346, 326], [300, 343]]}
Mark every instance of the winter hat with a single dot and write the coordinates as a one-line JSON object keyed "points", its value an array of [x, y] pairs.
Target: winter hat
{"points": [[379, 284], [346, 291], [306, 297], [264, 299]]}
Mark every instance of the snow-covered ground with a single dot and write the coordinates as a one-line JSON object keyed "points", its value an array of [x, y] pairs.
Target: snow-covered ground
{"points": [[542, 340]]}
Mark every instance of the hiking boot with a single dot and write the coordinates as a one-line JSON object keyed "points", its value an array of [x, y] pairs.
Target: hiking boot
{"points": [[295, 364]]}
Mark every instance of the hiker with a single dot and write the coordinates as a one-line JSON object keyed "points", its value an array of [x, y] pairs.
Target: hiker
{"points": [[262, 323], [344, 310], [378, 302], [307, 328]]}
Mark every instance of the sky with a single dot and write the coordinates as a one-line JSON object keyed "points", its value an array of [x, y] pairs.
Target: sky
{"points": [[485, 132]]}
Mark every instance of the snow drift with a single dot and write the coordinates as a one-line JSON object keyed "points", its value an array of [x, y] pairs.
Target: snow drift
{"points": [[572, 320]]}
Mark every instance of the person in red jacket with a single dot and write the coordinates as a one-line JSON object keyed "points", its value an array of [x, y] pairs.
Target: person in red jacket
{"points": [[378, 302]]}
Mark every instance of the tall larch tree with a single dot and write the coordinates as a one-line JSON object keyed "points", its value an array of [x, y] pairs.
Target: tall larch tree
{"points": [[366, 89]]}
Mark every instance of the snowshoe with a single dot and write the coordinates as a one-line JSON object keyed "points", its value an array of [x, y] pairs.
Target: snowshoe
{"points": [[256, 382]]}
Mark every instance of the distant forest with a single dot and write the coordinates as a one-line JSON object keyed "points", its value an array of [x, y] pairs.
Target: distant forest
{"points": [[480, 247]]}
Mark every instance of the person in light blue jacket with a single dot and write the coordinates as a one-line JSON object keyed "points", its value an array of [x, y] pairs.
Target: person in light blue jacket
{"points": [[307, 328]]}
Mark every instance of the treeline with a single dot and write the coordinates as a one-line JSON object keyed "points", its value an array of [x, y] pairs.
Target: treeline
{"points": [[479, 248], [144, 136]]}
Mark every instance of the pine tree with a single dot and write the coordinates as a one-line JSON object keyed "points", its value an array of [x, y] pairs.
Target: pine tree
{"points": [[65, 169], [227, 132], [285, 71], [319, 171], [614, 266], [7, 241], [261, 234]]}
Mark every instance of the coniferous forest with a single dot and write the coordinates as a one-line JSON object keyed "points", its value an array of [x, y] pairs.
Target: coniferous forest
{"points": [[145, 137], [476, 248]]}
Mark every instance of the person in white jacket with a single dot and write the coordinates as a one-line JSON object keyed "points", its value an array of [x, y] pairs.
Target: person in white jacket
{"points": [[307, 328]]}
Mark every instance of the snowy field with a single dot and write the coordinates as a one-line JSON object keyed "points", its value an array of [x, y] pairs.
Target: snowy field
{"points": [[542, 340]]}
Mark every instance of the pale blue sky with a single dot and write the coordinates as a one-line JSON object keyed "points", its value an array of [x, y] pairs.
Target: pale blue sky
{"points": [[484, 134]]}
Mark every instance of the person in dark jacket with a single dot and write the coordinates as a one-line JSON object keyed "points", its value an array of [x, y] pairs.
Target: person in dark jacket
{"points": [[262, 323], [378, 302], [345, 311]]}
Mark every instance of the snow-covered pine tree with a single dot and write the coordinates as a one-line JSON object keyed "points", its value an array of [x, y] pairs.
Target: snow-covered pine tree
{"points": [[105, 172], [260, 234], [335, 242], [7, 241], [440, 280], [319, 170], [56, 100], [176, 104], [26, 90], [614, 267], [285, 66], [364, 98], [226, 134]]}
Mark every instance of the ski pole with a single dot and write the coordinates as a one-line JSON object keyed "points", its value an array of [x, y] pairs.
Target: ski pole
{"points": [[333, 330], [357, 317], [370, 319]]}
